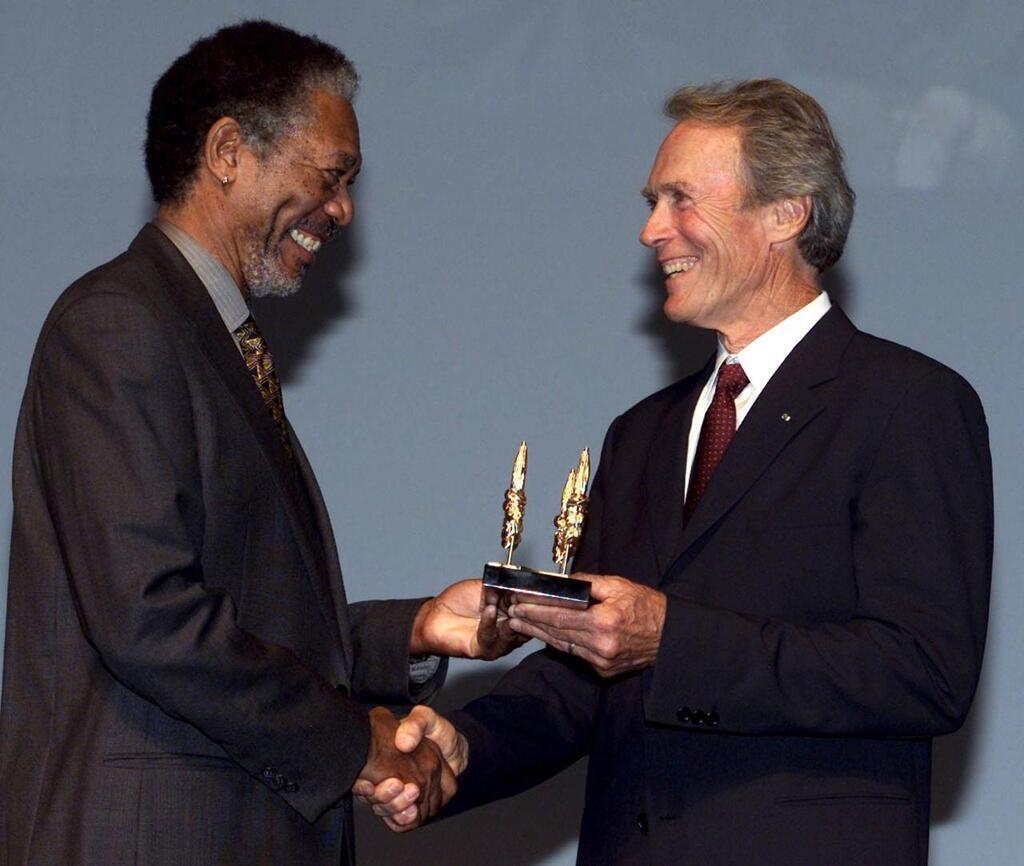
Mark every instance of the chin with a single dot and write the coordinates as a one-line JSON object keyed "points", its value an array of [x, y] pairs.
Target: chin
{"points": [[268, 277], [674, 312], [275, 290]]}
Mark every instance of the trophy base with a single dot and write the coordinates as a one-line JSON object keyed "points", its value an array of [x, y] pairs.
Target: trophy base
{"points": [[506, 585]]}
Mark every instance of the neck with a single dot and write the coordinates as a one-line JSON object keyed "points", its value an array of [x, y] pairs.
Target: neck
{"points": [[787, 289], [204, 223]]}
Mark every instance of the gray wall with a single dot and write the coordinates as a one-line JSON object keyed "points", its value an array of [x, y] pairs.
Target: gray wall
{"points": [[492, 287]]}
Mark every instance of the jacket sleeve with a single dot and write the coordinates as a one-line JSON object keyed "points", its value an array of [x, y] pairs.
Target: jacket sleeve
{"points": [[381, 632], [115, 450], [907, 662]]}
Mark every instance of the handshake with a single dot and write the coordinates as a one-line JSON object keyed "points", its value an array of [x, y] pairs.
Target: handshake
{"points": [[411, 766]]}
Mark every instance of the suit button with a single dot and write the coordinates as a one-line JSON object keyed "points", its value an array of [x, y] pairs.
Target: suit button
{"points": [[291, 787], [268, 774], [279, 781], [684, 714], [641, 822], [713, 720], [699, 717]]}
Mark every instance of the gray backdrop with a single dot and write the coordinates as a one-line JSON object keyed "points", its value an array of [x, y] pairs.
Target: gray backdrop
{"points": [[492, 288]]}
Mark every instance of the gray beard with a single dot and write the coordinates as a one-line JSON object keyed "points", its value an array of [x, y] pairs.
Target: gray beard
{"points": [[265, 274]]}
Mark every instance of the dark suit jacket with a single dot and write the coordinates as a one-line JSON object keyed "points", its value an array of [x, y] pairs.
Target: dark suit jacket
{"points": [[827, 607], [180, 655]]}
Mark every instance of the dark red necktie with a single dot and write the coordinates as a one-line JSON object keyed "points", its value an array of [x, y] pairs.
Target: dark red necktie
{"points": [[715, 434]]}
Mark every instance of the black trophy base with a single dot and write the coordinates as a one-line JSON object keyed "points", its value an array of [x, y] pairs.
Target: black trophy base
{"points": [[506, 585]]}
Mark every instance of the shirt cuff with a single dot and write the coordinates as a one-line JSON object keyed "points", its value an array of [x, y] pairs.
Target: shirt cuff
{"points": [[422, 668]]}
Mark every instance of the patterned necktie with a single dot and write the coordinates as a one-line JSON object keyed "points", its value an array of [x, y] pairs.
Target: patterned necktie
{"points": [[715, 434], [261, 367]]}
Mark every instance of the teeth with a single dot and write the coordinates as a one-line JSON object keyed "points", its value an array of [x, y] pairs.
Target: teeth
{"points": [[307, 242], [679, 265]]}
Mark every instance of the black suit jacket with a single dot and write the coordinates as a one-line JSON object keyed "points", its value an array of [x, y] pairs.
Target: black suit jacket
{"points": [[827, 607], [182, 670]]}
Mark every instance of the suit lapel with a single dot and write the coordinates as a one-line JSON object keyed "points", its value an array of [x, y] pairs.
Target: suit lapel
{"points": [[790, 401], [666, 470], [189, 295]]}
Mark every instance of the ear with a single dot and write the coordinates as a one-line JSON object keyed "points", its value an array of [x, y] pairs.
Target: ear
{"points": [[787, 217], [221, 151]]}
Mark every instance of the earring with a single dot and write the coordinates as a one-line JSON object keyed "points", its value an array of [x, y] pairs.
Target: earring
{"points": [[225, 180]]}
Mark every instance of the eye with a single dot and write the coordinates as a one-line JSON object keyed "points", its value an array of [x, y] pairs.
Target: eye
{"points": [[335, 178], [342, 177], [651, 201]]}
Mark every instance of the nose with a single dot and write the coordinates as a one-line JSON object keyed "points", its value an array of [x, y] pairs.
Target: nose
{"points": [[340, 207], [655, 230]]}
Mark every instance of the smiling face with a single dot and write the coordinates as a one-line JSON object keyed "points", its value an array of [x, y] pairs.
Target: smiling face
{"points": [[712, 248], [296, 199]]}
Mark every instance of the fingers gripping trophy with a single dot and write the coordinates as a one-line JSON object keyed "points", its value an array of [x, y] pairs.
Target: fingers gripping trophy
{"points": [[505, 583]]}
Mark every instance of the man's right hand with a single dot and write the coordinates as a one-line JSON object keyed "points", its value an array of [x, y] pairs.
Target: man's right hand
{"points": [[417, 774], [396, 804]]}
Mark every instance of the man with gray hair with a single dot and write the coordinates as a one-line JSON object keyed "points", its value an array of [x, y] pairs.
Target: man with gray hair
{"points": [[184, 681], [790, 551]]}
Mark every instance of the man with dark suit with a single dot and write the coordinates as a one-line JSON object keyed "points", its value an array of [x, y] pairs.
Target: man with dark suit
{"points": [[184, 681], [800, 536]]}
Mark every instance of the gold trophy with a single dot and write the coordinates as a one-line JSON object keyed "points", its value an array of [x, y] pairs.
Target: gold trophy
{"points": [[506, 583]]}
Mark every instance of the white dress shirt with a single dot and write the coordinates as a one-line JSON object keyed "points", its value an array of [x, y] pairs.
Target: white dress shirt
{"points": [[760, 359]]}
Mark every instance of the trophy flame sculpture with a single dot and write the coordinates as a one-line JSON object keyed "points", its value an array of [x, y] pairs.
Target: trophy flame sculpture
{"points": [[569, 522], [505, 583], [515, 505]]}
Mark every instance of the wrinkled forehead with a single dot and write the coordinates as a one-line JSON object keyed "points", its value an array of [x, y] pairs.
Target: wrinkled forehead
{"points": [[696, 153]]}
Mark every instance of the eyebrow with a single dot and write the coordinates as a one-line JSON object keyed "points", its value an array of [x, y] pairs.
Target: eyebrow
{"points": [[346, 159], [674, 186]]}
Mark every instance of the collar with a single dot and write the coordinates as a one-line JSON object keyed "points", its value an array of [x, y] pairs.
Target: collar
{"points": [[212, 274], [762, 357]]}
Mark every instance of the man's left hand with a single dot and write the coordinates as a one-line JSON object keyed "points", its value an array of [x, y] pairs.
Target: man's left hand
{"points": [[618, 633], [453, 624]]}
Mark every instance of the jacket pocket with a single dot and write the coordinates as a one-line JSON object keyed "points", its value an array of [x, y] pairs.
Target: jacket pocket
{"points": [[169, 761], [846, 799]]}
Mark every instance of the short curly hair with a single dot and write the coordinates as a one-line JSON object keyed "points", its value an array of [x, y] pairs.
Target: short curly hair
{"points": [[788, 148], [257, 72]]}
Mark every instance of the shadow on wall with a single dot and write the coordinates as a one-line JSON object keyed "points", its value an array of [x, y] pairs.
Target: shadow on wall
{"points": [[295, 324], [523, 830], [684, 349], [7, 526]]}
